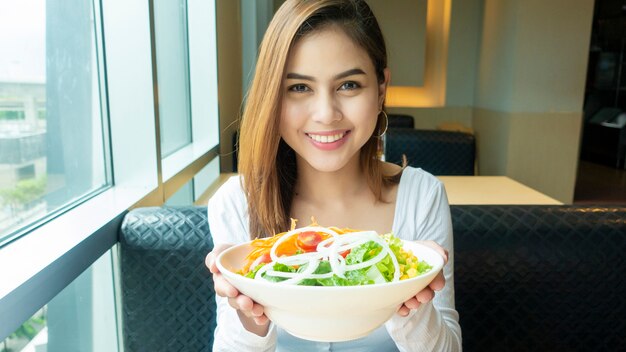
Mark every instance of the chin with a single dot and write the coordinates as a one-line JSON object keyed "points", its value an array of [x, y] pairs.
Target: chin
{"points": [[327, 168], [328, 164]]}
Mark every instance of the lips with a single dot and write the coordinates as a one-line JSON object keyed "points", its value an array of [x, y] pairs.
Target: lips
{"points": [[328, 140]]}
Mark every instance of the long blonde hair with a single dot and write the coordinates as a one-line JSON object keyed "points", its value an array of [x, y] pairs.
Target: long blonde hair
{"points": [[267, 164]]}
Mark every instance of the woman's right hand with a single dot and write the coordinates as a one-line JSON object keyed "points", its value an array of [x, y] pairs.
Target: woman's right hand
{"points": [[250, 313]]}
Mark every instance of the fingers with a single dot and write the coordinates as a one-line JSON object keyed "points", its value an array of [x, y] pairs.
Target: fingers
{"points": [[246, 306], [223, 288], [412, 303], [262, 320], [403, 311], [209, 261], [425, 295], [242, 303], [438, 282], [434, 245], [257, 310]]}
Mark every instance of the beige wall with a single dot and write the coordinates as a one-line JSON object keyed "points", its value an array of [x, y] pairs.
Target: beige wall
{"points": [[534, 55], [229, 75], [462, 62], [463, 48], [516, 74], [537, 149], [543, 151], [530, 91], [404, 26]]}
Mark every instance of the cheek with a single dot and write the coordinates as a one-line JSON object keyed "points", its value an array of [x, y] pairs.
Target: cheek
{"points": [[364, 112], [290, 116], [293, 112]]}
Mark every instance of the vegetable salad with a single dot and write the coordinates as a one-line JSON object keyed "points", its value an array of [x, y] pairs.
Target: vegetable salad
{"points": [[321, 256]]}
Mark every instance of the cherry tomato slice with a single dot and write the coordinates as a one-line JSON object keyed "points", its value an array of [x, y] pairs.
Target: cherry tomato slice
{"points": [[308, 240], [265, 258], [262, 259]]}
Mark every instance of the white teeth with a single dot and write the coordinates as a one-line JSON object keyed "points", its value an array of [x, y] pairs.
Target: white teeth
{"points": [[325, 138]]}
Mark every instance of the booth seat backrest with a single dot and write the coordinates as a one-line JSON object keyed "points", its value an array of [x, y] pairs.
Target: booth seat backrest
{"points": [[541, 278], [168, 302], [527, 278], [438, 152], [400, 121]]}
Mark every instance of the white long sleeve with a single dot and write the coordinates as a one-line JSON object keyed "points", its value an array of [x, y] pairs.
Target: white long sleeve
{"points": [[228, 223], [423, 213]]}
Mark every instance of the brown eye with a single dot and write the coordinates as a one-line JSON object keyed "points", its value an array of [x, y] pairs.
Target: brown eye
{"points": [[298, 88], [350, 85]]}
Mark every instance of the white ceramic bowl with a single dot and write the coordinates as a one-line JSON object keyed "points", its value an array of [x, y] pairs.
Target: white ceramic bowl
{"points": [[325, 313]]}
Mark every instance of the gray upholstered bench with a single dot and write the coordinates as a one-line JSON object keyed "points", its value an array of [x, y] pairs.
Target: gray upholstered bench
{"points": [[528, 278]]}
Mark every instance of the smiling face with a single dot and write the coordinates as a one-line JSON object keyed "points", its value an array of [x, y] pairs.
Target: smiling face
{"points": [[331, 99]]}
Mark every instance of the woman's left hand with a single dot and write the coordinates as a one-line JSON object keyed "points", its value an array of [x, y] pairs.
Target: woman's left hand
{"points": [[428, 293]]}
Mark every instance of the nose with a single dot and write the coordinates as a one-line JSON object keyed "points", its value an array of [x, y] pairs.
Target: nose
{"points": [[326, 109]]}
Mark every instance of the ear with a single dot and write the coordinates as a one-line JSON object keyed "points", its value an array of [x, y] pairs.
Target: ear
{"points": [[382, 87]]}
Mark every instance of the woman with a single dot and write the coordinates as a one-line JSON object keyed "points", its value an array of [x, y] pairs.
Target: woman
{"points": [[308, 147]]}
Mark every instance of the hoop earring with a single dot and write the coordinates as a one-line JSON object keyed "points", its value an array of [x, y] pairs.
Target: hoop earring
{"points": [[386, 124]]}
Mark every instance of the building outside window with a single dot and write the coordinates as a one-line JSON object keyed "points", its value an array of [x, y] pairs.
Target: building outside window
{"points": [[51, 122]]}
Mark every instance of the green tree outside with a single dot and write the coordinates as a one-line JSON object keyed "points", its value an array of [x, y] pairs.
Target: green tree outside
{"points": [[24, 193]]}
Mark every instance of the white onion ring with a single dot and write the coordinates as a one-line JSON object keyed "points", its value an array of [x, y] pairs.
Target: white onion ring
{"points": [[313, 264], [327, 249]]}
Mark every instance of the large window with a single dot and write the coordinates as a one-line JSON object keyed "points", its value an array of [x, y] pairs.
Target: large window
{"points": [[79, 147], [52, 150]]}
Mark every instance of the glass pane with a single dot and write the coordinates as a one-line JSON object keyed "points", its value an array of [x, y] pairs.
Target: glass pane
{"points": [[31, 335], [205, 178], [51, 143], [79, 318], [191, 191], [182, 197], [203, 71], [170, 22]]}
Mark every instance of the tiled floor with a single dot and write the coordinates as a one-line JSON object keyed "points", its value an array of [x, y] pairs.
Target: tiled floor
{"points": [[599, 184]]}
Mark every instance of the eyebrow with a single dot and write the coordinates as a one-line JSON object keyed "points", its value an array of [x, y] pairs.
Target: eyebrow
{"points": [[351, 72]]}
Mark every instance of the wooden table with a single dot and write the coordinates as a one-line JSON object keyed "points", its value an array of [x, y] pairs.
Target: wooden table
{"points": [[462, 190], [491, 190]]}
